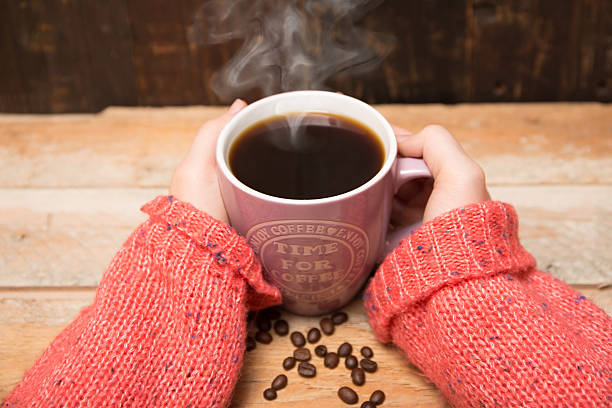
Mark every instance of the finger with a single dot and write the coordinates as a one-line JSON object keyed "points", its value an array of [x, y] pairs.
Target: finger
{"points": [[236, 107], [436, 146], [400, 132]]}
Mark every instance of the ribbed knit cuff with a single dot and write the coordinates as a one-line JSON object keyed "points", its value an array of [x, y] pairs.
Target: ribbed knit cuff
{"points": [[474, 241], [220, 240]]}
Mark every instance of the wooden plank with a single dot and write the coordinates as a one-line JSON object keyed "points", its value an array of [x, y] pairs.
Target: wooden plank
{"points": [[68, 56], [65, 237], [140, 147], [520, 50], [429, 62], [567, 229], [162, 58], [25, 41], [527, 143], [65, 56], [30, 319], [62, 237]]}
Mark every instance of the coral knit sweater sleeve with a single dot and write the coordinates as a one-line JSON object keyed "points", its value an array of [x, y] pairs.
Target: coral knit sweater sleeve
{"points": [[466, 304], [167, 325], [460, 297]]}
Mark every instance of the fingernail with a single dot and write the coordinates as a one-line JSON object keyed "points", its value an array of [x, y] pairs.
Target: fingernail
{"points": [[236, 106]]}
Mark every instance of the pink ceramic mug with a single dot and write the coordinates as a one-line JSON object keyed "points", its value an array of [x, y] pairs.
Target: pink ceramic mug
{"points": [[318, 252]]}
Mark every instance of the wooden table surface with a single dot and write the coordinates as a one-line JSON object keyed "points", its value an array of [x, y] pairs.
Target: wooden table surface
{"points": [[71, 187]]}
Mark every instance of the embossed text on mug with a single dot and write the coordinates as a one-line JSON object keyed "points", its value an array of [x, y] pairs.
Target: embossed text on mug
{"points": [[311, 260]]}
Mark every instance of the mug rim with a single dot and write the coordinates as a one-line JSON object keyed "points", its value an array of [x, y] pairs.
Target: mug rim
{"points": [[226, 137]]}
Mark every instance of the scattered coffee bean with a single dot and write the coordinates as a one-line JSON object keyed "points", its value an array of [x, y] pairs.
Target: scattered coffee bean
{"points": [[301, 354], [345, 349], [307, 370], [263, 323], [358, 376], [327, 326], [271, 313], [368, 404], [367, 352], [321, 350], [314, 335], [377, 397], [298, 339], [288, 363], [347, 395], [339, 318], [251, 316], [279, 382], [331, 360], [269, 394], [351, 362], [368, 365], [263, 337], [250, 343], [281, 327]]}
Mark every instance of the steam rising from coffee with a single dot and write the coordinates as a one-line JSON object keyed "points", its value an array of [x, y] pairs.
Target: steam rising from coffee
{"points": [[289, 44]]}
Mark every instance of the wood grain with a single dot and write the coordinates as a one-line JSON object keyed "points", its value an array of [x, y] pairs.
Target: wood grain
{"points": [[71, 187], [140, 147], [62, 56], [31, 318], [62, 237], [71, 56]]}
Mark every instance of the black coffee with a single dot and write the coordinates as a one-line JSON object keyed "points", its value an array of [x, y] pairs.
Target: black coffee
{"points": [[306, 156]]}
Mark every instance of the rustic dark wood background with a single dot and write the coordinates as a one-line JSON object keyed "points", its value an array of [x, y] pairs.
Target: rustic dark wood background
{"points": [[81, 56]]}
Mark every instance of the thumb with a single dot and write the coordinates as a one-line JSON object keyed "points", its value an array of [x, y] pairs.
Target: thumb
{"points": [[236, 107], [206, 139]]}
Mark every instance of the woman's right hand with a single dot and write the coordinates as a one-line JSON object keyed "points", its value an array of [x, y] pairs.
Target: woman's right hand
{"points": [[457, 179]]}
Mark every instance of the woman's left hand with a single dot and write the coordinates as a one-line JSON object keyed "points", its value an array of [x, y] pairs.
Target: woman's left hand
{"points": [[195, 179]]}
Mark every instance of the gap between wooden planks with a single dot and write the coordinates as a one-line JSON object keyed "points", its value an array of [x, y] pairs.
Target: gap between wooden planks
{"points": [[31, 318]]}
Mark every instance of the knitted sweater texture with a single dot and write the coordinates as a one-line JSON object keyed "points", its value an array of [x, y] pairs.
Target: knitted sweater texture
{"points": [[168, 323], [463, 299], [460, 297]]}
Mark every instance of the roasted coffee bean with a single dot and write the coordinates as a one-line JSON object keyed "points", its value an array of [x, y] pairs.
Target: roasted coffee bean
{"points": [[263, 323], [358, 376], [298, 339], [347, 395], [279, 382], [301, 354], [269, 394], [321, 350], [251, 316], [288, 363], [351, 362], [368, 404], [250, 343], [345, 349], [368, 365], [331, 360], [271, 313], [367, 352], [314, 335], [263, 337], [339, 318], [327, 326], [307, 370], [281, 327], [377, 397]]}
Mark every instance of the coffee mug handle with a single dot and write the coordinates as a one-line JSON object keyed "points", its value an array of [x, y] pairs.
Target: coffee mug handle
{"points": [[407, 169]]}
